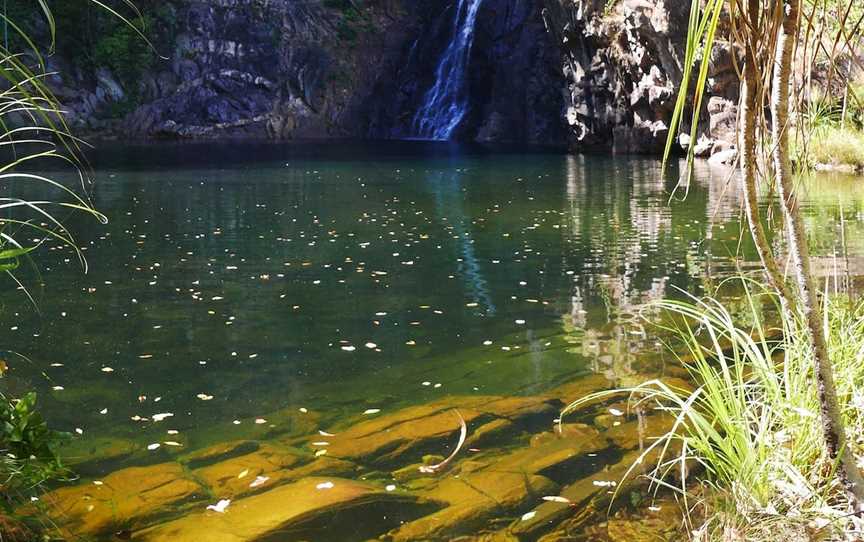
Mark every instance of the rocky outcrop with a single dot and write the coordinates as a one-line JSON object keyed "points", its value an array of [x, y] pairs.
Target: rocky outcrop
{"points": [[624, 62], [249, 68], [321, 69], [597, 75], [514, 80]]}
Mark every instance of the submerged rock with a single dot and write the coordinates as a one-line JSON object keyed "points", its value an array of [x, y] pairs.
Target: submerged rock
{"points": [[582, 500], [499, 485], [292, 511], [472, 500], [92, 455], [128, 498], [490, 432], [218, 452], [409, 433], [233, 477], [640, 432]]}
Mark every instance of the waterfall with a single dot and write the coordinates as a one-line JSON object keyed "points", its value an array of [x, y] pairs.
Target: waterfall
{"points": [[445, 103]]}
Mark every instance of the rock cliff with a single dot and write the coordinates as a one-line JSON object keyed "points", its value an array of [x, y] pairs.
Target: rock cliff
{"points": [[623, 61], [318, 69], [598, 76]]}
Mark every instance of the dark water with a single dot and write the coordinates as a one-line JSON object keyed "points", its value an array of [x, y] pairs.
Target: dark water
{"points": [[235, 281]]}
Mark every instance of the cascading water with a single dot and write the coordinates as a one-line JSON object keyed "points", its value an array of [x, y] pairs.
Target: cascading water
{"points": [[446, 102]]}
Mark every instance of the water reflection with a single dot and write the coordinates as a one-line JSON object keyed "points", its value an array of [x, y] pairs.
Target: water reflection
{"points": [[447, 191], [263, 284]]}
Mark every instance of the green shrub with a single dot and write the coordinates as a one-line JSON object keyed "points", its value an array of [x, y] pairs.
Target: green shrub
{"points": [[124, 52], [27, 445]]}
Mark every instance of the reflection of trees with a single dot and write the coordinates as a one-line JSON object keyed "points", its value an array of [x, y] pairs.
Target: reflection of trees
{"points": [[618, 221], [635, 245], [834, 216], [638, 245]]}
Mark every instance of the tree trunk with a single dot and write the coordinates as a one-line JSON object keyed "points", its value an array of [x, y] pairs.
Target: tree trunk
{"points": [[832, 423], [751, 102]]}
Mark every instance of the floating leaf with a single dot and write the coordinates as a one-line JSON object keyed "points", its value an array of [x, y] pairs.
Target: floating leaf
{"points": [[220, 506]]}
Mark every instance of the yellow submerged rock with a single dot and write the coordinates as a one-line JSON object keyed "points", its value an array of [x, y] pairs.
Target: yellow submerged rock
{"points": [[125, 499], [387, 437], [287, 510]]}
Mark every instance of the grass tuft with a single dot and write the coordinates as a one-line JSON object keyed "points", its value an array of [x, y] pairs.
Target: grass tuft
{"points": [[838, 147], [745, 453]]}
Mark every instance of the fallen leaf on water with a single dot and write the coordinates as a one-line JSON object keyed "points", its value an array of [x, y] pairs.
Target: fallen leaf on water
{"points": [[220, 506], [259, 480]]}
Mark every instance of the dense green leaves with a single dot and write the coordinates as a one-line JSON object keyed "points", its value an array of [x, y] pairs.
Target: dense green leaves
{"points": [[28, 445]]}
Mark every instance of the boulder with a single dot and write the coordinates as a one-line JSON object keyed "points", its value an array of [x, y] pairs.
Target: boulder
{"points": [[128, 498], [291, 512], [409, 433], [472, 500], [724, 158]]}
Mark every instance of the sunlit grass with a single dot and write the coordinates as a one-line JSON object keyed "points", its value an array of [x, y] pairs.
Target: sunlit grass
{"points": [[748, 439], [838, 147]]}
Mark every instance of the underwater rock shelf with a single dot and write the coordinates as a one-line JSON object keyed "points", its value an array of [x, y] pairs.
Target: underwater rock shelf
{"points": [[364, 480]]}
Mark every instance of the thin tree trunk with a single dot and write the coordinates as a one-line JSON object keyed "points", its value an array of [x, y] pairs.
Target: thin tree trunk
{"points": [[751, 102], [832, 423]]}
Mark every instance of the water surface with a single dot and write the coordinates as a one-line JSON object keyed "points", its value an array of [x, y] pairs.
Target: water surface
{"points": [[236, 281]]}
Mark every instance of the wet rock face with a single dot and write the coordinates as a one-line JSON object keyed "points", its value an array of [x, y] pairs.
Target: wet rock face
{"points": [[248, 68], [516, 83], [594, 74], [513, 78], [235, 66], [288, 69], [623, 63]]}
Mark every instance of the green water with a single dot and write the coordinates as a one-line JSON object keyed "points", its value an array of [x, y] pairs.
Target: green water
{"points": [[232, 282]]}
